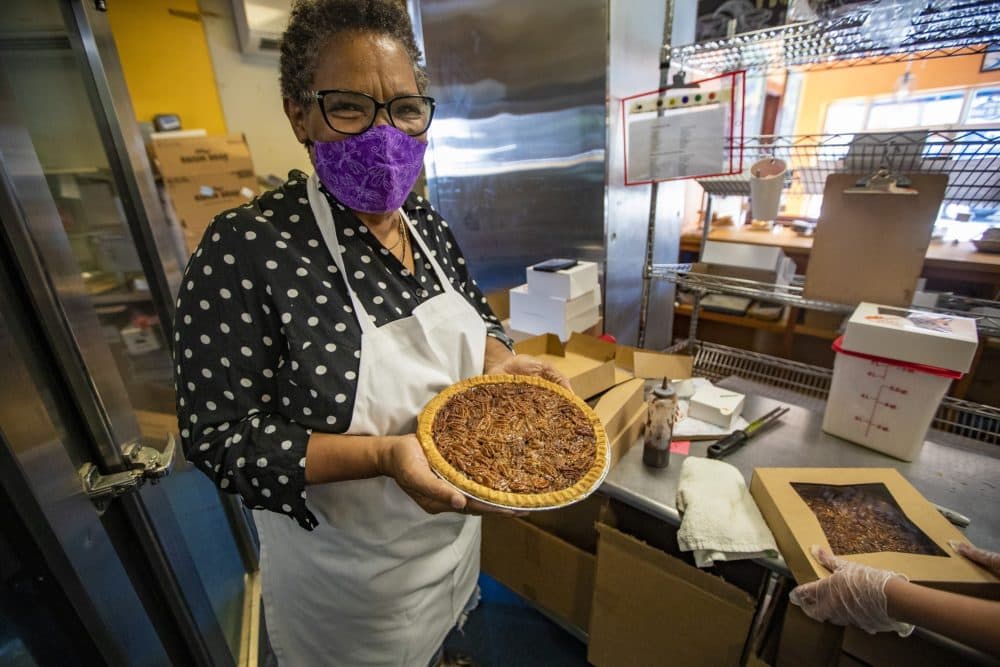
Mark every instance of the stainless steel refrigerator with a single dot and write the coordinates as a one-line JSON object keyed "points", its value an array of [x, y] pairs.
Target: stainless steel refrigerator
{"points": [[99, 564]]}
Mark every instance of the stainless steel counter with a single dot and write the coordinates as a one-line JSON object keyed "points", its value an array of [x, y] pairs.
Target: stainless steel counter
{"points": [[957, 473]]}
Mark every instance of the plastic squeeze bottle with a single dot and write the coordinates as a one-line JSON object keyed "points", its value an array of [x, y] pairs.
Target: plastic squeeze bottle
{"points": [[659, 426]]}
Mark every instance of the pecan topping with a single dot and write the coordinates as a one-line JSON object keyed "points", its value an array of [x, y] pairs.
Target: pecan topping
{"points": [[515, 437]]}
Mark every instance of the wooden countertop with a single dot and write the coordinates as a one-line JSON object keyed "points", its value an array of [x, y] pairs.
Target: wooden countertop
{"points": [[939, 254]]}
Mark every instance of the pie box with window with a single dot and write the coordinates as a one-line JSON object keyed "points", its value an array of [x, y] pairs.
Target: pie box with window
{"points": [[872, 516]]}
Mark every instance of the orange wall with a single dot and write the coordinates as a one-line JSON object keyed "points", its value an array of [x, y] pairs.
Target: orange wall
{"points": [[821, 87], [166, 61]]}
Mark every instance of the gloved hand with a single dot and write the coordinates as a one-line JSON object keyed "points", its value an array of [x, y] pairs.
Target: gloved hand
{"points": [[988, 559], [853, 595]]}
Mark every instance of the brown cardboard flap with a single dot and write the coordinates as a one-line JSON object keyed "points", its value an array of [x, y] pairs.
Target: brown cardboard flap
{"points": [[647, 364], [617, 405], [575, 523], [625, 357], [658, 365], [545, 344], [808, 642], [550, 572], [587, 361], [796, 528], [652, 609], [629, 434], [691, 577], [588, 346]]}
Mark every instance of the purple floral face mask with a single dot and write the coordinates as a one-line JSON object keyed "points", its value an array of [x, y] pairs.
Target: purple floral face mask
{"points": [[371, 172]]}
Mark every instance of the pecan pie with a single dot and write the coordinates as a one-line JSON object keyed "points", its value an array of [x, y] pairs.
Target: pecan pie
{"points": [[514, 440]]}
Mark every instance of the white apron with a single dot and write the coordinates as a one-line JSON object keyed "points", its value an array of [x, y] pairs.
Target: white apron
{"points": [[378, 581]]}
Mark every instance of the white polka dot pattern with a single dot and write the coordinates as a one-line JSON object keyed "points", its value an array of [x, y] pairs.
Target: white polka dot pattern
{"points": [[286, 361]]}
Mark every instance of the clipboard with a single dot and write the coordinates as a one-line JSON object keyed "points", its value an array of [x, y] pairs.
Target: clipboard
{"points": [[870, 246]]}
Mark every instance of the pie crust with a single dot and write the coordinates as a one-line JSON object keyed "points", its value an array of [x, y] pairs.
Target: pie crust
{"points": [[564, 496]]}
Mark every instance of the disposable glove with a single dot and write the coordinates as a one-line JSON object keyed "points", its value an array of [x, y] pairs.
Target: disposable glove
{"points": [[853, 595]]}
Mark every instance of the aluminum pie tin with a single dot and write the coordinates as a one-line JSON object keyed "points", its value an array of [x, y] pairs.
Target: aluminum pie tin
{"points": [[596, 485]]}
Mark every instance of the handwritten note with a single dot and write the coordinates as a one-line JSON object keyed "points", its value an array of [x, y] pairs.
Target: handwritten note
{"points": [[680, 144]]}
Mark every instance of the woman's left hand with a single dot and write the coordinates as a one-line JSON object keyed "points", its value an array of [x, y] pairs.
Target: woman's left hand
{"points": [[524, 364]]}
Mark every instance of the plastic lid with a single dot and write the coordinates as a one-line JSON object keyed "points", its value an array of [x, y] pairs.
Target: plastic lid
{"points": [[838, 347]]}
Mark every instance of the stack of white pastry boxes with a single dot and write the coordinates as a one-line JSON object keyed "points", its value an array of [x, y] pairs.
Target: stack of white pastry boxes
{"points": [[558, 302]]}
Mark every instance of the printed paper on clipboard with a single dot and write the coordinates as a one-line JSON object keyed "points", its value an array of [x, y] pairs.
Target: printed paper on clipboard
{"points": [[698, 133]]}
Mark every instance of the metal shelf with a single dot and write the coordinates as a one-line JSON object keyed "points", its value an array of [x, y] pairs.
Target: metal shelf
{"points": [[715, 362], [970, 159], [866, 37], [791, 295]]}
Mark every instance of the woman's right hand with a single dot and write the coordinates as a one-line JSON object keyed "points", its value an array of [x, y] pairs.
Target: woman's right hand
{"points": [[402, 458]]}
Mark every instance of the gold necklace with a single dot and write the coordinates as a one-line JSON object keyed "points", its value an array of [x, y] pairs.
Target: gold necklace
{"points": [[399, 235], [402, 240]]}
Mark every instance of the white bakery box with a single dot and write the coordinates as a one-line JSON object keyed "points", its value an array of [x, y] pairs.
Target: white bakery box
{"points": [[538, 314], [893, 366], [569, 283]]}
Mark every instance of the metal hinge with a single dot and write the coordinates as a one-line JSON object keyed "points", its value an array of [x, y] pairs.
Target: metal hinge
{"points": [[145, 463]]}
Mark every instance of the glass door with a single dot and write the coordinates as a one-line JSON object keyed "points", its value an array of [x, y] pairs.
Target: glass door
{"points": [[91, 255]]}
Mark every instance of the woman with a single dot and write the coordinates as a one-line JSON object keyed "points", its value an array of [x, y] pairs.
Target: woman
{"points": [[313, 326]]}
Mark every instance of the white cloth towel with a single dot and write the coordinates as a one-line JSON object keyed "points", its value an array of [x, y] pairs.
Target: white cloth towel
{"points": [[720, 518]]}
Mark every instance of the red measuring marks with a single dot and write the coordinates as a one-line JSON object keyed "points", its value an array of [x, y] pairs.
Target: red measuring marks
{"points": [[885, 396]]}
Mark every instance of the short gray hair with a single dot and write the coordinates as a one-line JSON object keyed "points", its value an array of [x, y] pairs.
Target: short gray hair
{"points": [[313, 22]]}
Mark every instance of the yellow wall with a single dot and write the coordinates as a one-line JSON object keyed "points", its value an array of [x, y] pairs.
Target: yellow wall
{"points": [[821, 87], [166, 62]]}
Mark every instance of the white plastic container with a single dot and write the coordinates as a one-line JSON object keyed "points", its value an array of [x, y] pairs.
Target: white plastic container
{"points": [[884, 404]]}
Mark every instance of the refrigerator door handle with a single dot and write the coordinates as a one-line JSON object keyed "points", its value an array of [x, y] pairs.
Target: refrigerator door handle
{"points": [[144, 463]]}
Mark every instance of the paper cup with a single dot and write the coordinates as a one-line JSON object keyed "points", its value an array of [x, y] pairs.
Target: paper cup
{"points": [[767, 178]]}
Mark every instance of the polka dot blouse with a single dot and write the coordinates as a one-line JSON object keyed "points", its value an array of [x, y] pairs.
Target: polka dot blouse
{"points": [[267, 346]]}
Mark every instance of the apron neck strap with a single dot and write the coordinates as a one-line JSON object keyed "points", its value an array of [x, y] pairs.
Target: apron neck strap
{"points": [[443, 280], [324, 220]]}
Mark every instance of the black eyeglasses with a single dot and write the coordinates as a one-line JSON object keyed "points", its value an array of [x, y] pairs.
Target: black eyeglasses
{"points": [[349, 112]]}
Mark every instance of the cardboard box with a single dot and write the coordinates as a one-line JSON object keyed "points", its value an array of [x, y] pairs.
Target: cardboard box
{"points": [[566, 284], [553, 323], [717, 405], [745, 255], [746, 261], [517, 336], [538, 313], [650, 608], [188, 156], [628, 437], [575, 523], [523, 300], [587, 362], [539, 566], [653, 365], [778, 277], [796, 528], [195, 203], [203, 176], [914, 336], [617, 406]]}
